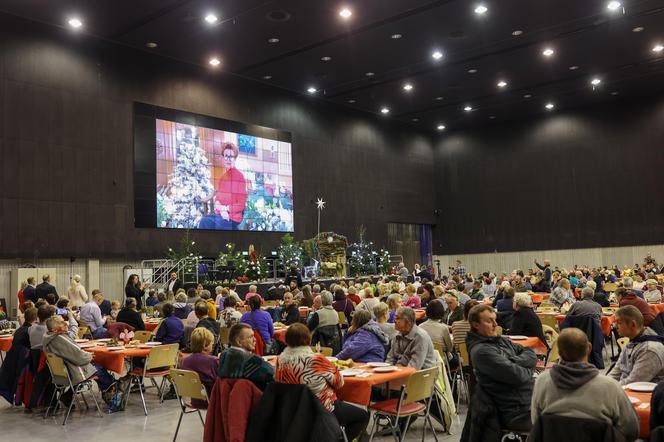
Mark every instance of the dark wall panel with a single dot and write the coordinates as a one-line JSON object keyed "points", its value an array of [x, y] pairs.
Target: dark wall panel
{"points": [[587, 178], [66, 138]]}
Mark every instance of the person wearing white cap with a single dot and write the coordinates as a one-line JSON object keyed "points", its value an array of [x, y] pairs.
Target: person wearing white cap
{"points": [[652, 294]]}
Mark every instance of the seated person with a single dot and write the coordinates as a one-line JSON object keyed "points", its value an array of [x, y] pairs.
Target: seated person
{"points": [[201, 309], [289, 313], [130, 315], [342, 303], [381, 312], [525, 321], [38, 330], [461, 328], [152, 299], [229, 316], [503, 369], [201, 361], [253, 291], [566, 388], [115, 309], [438, 331], [642, 360], [506, 304], [105, 305], [476, 291], [181, 308], [586, 306], [393, 302], [652, 294], [326, 315], [91, 314], [627, 297], [58, 342], [159, 305], [562, 294], [212, 306], [412, 346], [239, 361], [298, 364], [352, 295], [365, 340], [369, 301], [600, 296], [454, 309], [411, 299], [259, 320], [22, 335], [171, 328]]}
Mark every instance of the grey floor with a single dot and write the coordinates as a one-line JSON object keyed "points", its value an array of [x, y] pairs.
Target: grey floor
{"points": [[133, 425]]}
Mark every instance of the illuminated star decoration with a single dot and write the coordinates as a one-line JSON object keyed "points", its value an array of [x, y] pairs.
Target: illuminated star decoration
{"points": [[320, 204]]}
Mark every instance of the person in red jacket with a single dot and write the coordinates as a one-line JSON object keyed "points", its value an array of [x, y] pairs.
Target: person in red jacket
{"points": [[230, 194], [627, 297]]}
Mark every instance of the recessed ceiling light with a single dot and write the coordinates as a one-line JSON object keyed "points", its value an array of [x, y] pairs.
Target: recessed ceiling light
{"points": [[267, 77], [468, 108], [326, 58], [549, 106], [517, 32], [595, 81], [492, 117], [436, 55], [613, 5], [548, 52], [573, 68], [439, 98], [614, 93], [369, 74], [528, 96], [351, 101], [345, 13], [415, 120], [440, 127], [214, 61], [75, 22], [396, 36], [407, 87], [481, 9], [312, 90], [385, 110], [658, 48], [502, 83], [273, 40], [151, 44], [211, 18], [638, 29], [472, 71]]}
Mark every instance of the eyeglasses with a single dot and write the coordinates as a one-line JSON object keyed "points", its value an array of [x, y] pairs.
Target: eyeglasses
{"points": [[229, 157]]}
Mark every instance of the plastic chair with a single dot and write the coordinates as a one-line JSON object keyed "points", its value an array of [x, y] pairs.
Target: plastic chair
{"points": [[224, 332], [460, 376], [188, 385], [622, 343], [414, 400], [325, 351], [159, 362], [610, 287], [143, 336], [83, 331], [343, 321], [62, 381], [549, 320]]}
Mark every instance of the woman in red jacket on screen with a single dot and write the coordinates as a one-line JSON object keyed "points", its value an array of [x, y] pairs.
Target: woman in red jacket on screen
{"points": [[230, 197]]}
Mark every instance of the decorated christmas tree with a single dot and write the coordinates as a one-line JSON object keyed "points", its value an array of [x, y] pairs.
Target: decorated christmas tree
{"points": [[186, 251], [182, 205], [290, 252], [256, 265], [362, 257], [383, 262], [229, 254]]}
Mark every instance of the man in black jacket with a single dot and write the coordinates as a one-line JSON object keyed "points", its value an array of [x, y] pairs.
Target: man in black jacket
{"points": [[546, 274], [173, 284], [504, 370], [45, 288]]}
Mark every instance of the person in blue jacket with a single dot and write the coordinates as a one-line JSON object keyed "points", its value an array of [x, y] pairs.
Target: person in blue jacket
{"points": [[365, 341]]}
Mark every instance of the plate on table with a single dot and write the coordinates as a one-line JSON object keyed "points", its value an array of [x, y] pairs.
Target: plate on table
{"points": [[645, 387], [331, 358], [87, 345], [517, 337], [387, 369], [270, 358], [104, 340], [152, 343], [633, 400], [116, 348], [79, 341], [378, 364], [349, 372]]}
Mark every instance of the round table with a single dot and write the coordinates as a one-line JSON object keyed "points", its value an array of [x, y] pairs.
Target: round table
{"points": [[642, 411]]}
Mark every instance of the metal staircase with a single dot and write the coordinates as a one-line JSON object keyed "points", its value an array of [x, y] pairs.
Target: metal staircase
{"points": [[162, 269]]}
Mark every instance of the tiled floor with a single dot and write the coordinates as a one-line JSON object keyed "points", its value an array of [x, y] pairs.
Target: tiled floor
{"points": [[132, 425]]}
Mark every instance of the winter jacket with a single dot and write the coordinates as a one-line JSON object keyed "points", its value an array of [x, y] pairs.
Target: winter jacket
{"points": [[642, 360], [181, 310], [366, 344], [170, 331], [231, 406], [260, 321], [504, 370], [641, 304], [77, 360], [526, 322], [595, 335], [657, 407], [554, 428], [482, 423]]}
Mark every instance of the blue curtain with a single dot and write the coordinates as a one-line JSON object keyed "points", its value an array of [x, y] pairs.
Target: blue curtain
{"points": [[426, 244]]}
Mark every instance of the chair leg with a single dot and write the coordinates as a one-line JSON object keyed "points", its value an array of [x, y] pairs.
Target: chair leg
{"points": [[200, 415], [140, 390], [433, 430], [402, 435], [71, 404], [94, 398], [50, 404], [177, 429], [373, 427]]}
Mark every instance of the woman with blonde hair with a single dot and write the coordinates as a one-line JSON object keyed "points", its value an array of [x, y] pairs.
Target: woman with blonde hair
{"points": [[201, 361], [76, 293]]}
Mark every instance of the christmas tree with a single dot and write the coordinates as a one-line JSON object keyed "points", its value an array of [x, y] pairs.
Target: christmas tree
{"points": [[187, 252], [182, 205], [383, 262], [290, 252], [362, 260]]}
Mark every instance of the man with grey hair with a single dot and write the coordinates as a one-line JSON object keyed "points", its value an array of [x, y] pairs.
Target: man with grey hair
{"points": [[326, 315], [628, 283], [546, 274], [586, 306], [412, 346], [525, 322]]}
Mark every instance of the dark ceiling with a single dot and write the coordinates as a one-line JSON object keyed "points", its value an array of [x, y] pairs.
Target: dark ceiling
{"points": [[583, 33]]}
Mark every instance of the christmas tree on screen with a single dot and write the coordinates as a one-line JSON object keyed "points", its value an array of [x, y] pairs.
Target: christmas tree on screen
{"points": [[189, 185]]}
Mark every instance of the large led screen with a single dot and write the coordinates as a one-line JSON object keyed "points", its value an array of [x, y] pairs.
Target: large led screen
{"points": [[220, 180]]}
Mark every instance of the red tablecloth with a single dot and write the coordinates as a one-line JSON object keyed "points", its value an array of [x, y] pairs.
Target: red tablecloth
{"points": [[280, 335], [642, 412], [6, 343], [420, 313], [606, 322], [531, 342], [151, 326], [656, 308], [114, 360]]}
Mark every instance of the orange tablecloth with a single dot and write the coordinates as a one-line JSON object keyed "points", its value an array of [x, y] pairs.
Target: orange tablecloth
{"points": [[656, 308], [538, 298], [358, 390], [114, 360], [151, 326], [280, 335], [606, 323], [531, 342], [304, 311], [420, 314], [643, 413], [6, 343]]}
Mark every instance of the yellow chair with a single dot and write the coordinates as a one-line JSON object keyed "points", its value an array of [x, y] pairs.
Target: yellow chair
{"points": [[159, 362], [143, 336], [549, 320], [62, 382], [610, 287], [343, 321], [325, 351], [622, 343], [414, 400], [188, 385], [463, 352], [83, 332]]}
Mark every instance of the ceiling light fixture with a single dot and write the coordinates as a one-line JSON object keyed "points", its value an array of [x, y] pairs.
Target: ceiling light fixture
{"points": [[658, 48], [472, 71], [415, 120], [502, 83], [548, 52], [549, 106], [312, 90], [527, 96], [638, 29], [211, 18], [214, 61], [385, 110], [436, 55], [273, 40], [369, 74], [517, 32], [481, 9], [440, 127], [267, 77], [407, 87], [151, 44], [345, 13], [468, 108], [396, 36], [573, 68], [614, 93], [326, 58], [595, 81], [439, 98], [613, 5], [75, 22], [351, 101]]}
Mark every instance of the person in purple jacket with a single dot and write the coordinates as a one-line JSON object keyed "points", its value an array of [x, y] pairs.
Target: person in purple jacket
{"points": [[365, 341], [171, 329], [259, 320]]}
